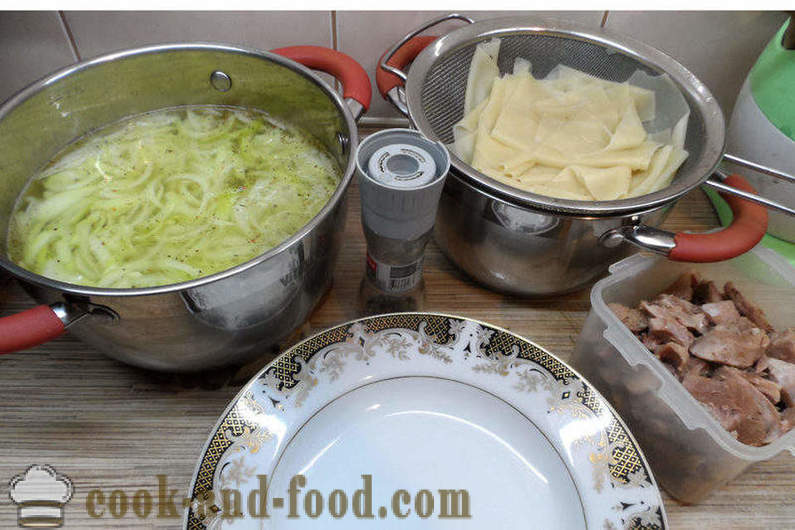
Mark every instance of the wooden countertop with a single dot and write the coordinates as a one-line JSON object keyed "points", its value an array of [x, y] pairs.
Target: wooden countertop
{"points": [[106, 425]]}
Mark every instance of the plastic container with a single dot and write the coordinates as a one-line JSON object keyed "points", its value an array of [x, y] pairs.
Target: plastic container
{"points": [[690, 453]]}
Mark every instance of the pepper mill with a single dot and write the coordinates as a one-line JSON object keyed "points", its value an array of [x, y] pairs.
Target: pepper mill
{"points": [[401, 175]]}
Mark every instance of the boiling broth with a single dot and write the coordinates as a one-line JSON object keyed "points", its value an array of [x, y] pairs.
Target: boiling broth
{"points": [[169, 196]]}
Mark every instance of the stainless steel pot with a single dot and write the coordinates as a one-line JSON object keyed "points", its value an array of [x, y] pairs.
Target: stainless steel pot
{"points": [[219, 319], [529, 244], [516, 250]]}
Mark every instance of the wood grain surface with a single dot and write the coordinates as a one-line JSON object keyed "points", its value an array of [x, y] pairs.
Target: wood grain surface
{"points": [[107, 425]]}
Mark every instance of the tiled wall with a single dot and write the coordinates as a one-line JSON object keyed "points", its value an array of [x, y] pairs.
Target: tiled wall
{"points": [[719, 47]]}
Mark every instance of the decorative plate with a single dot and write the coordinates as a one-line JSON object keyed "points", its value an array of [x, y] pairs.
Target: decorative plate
{"points": [[418, 420]]}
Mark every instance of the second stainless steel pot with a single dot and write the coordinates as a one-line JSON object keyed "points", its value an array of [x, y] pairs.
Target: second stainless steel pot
{"points": [[512, 249], [524, 243], [230, 315]]}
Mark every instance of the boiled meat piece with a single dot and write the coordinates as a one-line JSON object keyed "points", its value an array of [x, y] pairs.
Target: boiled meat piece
{"points": [[665, 330], [652, 343], [667, 306], [746, 308], [770, 389], [683, 286], [737, 344], [634, 319], [706, 293], [761, 364], [783, 373], [787, 419], [739, 407], [674, 354], [782, 345], [695, 366], [721, 312]]}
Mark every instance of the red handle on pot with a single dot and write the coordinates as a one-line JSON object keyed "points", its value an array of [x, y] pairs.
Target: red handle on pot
{"points": [[747, 228], [354, 79], [386, 81], [29, 328]]}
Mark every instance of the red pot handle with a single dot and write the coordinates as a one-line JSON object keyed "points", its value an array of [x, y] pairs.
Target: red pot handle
{"points": [[747, 228], [354, 79], [404, 55], [29, 328]]}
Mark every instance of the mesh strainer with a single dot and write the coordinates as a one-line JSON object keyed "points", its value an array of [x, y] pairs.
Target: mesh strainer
{"points": [[435, 88]]}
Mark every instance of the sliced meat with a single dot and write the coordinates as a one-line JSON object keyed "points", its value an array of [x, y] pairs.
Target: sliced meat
{"points": [[746, 308], [736, 344], [783, 373], [770, 389], [721, 312], [782, 345], [673, 354], [761, 364], [695, 366], [664, 330], [668, 306], [739, 407], [762, 423], [683, 286], [634, 319], [706, 293], [650, 342], [787, 419], [725, 353]]}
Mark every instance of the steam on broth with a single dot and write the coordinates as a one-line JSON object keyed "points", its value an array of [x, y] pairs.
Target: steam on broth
{"points": [[169, 196]]}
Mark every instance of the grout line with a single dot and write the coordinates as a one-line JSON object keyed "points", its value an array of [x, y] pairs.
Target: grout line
{"points": [[69, 36], [604, 19], [334, 43]]}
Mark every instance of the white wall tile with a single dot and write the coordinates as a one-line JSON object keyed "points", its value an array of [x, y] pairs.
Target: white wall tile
{"points": [[719, 47], [98, 32], [366, 35], [32, 44]]}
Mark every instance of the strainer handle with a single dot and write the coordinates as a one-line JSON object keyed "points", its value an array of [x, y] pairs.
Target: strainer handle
{"points": [[746, 230], [734, 159], [387, 81], [770, 204], [390, 75]]}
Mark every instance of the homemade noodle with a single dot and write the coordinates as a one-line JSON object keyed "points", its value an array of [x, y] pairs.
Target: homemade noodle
{"points": [[169, 196], [570, 135]]}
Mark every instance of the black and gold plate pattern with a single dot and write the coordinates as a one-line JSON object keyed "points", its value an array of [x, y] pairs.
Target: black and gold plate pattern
{"points": [[619, 471]]}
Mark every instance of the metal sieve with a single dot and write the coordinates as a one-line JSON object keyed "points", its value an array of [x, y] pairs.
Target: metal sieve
{"points": [[434, 92]]}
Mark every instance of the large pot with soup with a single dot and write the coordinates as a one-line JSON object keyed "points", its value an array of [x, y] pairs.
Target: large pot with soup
{"points": [[566, 143], [179, 207]]}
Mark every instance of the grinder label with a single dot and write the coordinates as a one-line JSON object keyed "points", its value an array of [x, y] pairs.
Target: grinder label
{"points": [[393, 278]]}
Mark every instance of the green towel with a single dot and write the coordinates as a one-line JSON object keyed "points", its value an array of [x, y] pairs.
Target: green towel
{"points": [[785, 248]]}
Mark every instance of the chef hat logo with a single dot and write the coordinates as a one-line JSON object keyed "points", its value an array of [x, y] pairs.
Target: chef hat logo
{"points": [[40, 495]]}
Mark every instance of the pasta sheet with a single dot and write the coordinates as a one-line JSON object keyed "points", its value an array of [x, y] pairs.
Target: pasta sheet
{"points": [[570, 135]]}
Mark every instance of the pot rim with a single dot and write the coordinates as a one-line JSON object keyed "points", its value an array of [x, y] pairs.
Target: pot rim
{"points": [[698, 95], [490, 194], [34, 88]]}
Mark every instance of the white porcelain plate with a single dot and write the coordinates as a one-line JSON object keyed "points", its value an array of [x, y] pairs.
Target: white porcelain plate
{"points": [[418, 420]]}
